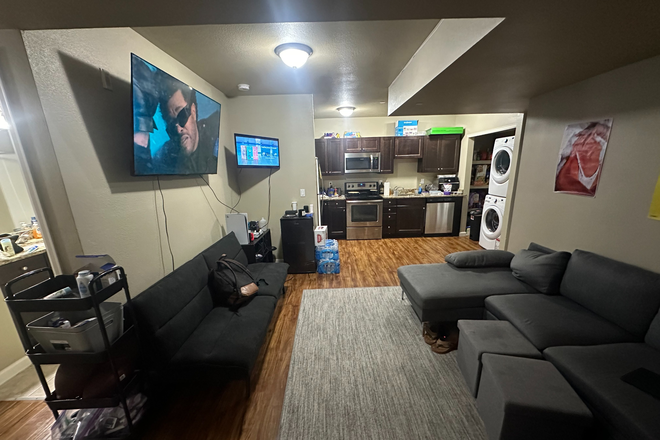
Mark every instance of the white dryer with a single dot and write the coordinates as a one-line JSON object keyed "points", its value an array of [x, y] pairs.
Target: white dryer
{"points": [[500, 166], [491, 222]]}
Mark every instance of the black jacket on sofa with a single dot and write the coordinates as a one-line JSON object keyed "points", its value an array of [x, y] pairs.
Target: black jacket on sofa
{"points": [[183, 328]]}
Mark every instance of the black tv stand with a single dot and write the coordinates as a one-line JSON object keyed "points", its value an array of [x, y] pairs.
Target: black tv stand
{"points": [[260, 250]]}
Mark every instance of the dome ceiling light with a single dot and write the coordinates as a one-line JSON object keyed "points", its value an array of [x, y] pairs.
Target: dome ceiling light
{"points": [[346, 110], [294, 54]]}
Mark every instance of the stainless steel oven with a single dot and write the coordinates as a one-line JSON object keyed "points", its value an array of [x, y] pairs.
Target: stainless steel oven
{"points": [[364, 211], [361, 163]]}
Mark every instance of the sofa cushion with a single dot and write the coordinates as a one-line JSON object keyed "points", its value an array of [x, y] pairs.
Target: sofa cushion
{"points": [[627, 295], [228, 339], [653, 336], [170, 310], [550, 321], [538, 248], [540, 270], [226, 245], [274, 274], [475, 259], [446, 286], [622, 410]]}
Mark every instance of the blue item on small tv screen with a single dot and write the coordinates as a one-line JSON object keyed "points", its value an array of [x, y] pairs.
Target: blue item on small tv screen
{"points": [[257, 151]]}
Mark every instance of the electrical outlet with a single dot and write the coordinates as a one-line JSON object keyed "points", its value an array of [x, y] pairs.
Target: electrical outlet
{"points": [[302, 192], [106, 79]]}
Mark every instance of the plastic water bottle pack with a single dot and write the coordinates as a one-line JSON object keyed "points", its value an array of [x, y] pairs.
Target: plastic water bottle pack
{"points": [[327, 258]]}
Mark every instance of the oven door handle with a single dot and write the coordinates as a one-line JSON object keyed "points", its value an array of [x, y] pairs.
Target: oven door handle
{"points": [[364, 202]]}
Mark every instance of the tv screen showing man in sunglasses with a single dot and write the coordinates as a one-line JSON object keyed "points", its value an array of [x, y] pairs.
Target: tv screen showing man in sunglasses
{"points": [[176, 128]]}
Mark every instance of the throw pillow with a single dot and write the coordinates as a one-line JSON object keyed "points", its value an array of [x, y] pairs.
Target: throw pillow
{"points": [[540, 270], [480, 259], [538, 248]]}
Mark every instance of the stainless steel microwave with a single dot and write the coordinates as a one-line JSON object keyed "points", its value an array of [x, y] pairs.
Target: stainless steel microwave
{"points": [[361, 163]]}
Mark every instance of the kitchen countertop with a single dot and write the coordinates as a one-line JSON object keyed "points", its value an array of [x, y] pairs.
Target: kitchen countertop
{"points": [[23, 255], [423, 196], [342, 197]]}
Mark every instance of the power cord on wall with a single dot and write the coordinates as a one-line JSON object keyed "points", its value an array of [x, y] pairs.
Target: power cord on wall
{"points": [[238, 186], [270, 173], [216, 196], [167, 232]]}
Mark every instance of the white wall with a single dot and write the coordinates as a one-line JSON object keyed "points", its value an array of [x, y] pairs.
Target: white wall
{"points": [[91, 131], [14, 190], [290, 119], [615, 223]]}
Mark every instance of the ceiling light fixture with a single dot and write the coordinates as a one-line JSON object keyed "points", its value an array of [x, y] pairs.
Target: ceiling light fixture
{"points": [[244, 87], [346, 110], [4, 125], [293, 54]]}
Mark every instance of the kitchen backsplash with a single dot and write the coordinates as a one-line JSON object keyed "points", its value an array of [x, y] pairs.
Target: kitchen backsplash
{"points": [[405, 175]]}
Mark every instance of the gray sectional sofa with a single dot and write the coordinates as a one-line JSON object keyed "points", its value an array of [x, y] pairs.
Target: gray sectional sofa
{"points": [[184, 333], [601, 323]]}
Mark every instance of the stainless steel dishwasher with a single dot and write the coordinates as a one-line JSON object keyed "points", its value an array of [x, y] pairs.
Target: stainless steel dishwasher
{"points": [[439, 215]]}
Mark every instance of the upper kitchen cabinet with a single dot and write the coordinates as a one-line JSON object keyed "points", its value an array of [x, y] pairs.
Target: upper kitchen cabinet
{"points": [[440, 154], [362, 145], [387, 155], [408, 147], [331, 155]]}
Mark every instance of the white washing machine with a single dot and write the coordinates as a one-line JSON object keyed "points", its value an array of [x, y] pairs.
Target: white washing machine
{"points": [[500, 166], [491, 222]]}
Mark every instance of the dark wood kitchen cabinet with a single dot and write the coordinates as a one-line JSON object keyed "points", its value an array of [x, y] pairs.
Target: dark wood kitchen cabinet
{"points": [[441, 154], [389, 218], [410, 216], [331, 155], [334, 217], [352, 145], [387, 155], [408, 146], [14, 269], [362, 145]]}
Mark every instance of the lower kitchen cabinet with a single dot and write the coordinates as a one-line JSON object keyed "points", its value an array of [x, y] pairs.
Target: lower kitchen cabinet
{"points": [[403, 217], [334, 217]]}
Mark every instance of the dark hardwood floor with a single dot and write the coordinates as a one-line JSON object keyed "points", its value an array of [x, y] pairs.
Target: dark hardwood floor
{"points": [[221, 411]]}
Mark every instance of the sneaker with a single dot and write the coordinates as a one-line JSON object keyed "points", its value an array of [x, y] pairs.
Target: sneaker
{"points": [[430, 337]]}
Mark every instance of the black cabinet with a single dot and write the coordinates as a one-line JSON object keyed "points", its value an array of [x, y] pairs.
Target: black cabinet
{"points": [[9, 271], [298, 244], [408, 146], [387, 155], [334, 217], [389, 218], [260, 250], [370, 145], [331, 155], [410, 217], [352, 145], [441, 154]]}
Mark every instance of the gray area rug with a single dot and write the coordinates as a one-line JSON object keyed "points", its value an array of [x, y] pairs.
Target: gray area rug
{"points": [[361, 370]]}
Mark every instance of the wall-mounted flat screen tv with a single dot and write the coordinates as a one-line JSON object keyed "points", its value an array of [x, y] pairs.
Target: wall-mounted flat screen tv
{"points": [[175, 127], [257, 151]]}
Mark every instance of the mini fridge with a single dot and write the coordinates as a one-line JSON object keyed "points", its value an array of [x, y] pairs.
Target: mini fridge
{"points": [[298, 244]]}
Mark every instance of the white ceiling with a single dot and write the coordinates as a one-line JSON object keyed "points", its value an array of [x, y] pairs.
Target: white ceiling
{"points": [[540, 46], [353, 62]]}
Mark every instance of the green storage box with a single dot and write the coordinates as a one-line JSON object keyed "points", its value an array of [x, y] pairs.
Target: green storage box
{"points": [[444, 130]]}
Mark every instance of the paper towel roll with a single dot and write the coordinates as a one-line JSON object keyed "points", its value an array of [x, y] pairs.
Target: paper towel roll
{"points": [[386, 189]]}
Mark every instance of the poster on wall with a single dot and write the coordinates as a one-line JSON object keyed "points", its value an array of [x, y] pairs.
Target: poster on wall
{"points": [[654, 212], [581, 157]]}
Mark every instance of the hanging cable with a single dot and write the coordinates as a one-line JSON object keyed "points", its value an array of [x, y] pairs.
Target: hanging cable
{"points": [[216, 196], [270, 173], [238, 186], [167, 232]]}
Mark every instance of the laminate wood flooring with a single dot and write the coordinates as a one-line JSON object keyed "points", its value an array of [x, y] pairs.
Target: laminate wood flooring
{"points": [[220, 411]]}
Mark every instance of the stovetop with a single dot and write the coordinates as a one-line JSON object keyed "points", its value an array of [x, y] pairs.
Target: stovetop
{"points": [[362, 191]]}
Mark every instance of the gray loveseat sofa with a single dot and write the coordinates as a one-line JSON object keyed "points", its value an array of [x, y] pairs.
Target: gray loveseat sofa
{"points": [[186, 334], [601, 324]]}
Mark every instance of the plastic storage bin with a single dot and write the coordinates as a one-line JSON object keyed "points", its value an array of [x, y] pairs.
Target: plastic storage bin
{"points": [[85, 338]]}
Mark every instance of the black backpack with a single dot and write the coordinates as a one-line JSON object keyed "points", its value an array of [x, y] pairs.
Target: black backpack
{"points": [[233, 284]]}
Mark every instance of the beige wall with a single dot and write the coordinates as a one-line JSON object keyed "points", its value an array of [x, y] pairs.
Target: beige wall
{"points": [[15, 192], [615, 222], [90, 127], [290, 119]]}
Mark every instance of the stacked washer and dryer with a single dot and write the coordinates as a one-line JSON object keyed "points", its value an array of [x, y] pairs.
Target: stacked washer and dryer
{"points": [[493, 212]]}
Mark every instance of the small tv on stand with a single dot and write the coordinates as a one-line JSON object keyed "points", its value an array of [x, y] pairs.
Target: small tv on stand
{"points": [[257, 151]]}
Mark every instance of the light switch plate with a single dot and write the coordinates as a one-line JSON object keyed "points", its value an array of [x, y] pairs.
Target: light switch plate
{"points": [[302, 192]]}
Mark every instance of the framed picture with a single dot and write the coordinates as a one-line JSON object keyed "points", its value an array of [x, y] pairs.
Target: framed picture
{"points": [[581, 157]]}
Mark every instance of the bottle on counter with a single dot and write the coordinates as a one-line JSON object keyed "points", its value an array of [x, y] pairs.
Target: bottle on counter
{"points": [[36, 229], [381, 188], [83, 279], [419, 190]]}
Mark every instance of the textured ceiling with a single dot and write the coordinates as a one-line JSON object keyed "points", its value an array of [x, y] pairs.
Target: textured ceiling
{"points": [[542, 45], [353, 62]]}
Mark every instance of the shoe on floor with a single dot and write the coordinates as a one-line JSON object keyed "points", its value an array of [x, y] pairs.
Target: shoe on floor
{"points": [[430, 337], [443, 347]]}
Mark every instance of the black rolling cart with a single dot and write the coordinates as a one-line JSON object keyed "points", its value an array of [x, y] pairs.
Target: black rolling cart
{"points": [[32, 300]]}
